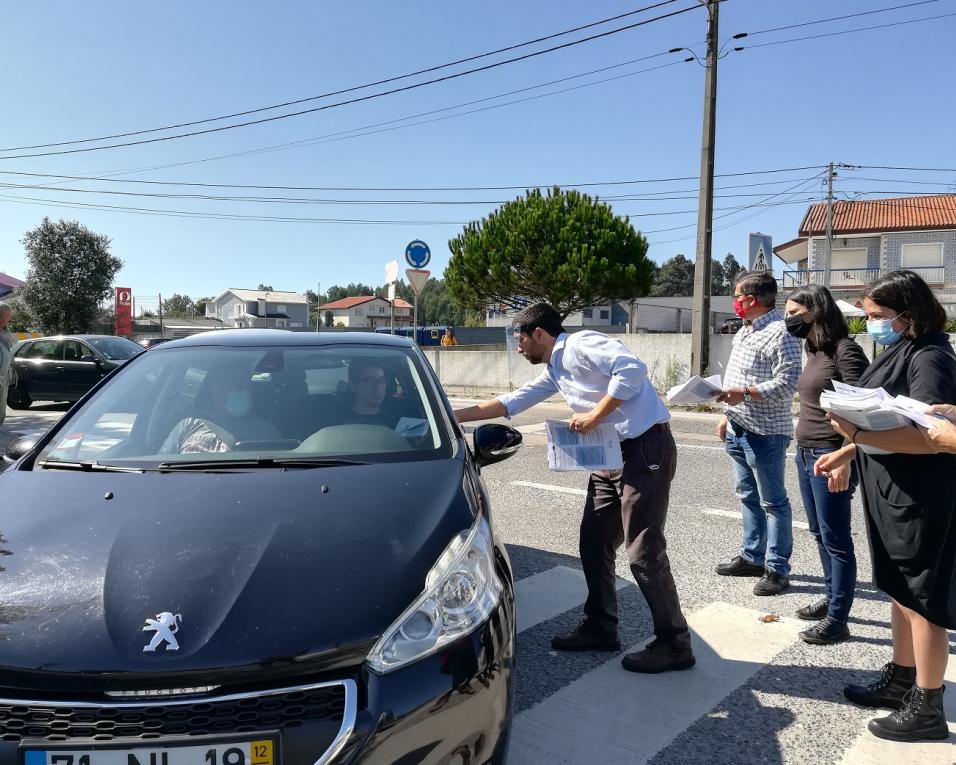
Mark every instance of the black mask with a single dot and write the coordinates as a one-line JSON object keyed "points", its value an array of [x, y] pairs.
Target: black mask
{"points": [[797, 327]]}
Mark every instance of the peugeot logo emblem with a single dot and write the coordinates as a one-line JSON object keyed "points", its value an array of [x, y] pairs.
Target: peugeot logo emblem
{"points": [[165, 626]]}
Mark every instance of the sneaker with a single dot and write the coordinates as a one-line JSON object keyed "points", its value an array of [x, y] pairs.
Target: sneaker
{"points": [[771, 583], [887, 692], [739, 567], [815, 611], [660, 656], [826, 631], [920, 718], [586, 637]]}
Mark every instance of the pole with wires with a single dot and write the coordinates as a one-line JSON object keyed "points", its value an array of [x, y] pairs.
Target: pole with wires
{"points": [[700, 337], [828, 264]]}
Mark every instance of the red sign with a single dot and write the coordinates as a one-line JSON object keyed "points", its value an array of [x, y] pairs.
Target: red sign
{"points": [[124, 311]]}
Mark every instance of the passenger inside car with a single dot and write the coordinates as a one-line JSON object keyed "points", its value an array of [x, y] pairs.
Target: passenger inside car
{"points": [[222, 419]]}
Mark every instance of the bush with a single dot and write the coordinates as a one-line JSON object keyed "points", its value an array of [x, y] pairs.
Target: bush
{"points": [[675, 372], [951, 325], [856, 325]]}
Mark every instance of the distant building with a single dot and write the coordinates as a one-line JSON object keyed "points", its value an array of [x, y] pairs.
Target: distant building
{"points": [[367, 311], [274, 309], [501, 315], [8, 284]]}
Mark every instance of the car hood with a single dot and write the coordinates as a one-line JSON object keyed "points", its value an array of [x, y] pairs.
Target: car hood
{"points": [[263, 568]]}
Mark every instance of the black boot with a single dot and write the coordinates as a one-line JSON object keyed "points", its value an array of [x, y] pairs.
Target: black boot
{"points": [[661, 655], [887, 692], [587, 636], [921, 718]]}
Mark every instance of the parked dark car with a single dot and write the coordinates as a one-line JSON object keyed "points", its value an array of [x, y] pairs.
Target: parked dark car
{"points": [[223, 555], [731, 326], [152, 342], [64, 368]]}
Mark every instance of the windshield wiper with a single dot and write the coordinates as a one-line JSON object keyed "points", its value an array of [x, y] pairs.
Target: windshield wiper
{"points": [[259, 462], [86, 466]]}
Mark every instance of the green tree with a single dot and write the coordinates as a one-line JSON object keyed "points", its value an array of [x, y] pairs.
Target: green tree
{"points": [[180, 307], [329, 318], [675, 278], [201, 305], [71, 272], [718, 278], [264, 287], [732, 269], [563, 247]]}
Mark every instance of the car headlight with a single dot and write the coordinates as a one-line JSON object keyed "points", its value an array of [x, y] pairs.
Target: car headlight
{"points": [[461, 591]]}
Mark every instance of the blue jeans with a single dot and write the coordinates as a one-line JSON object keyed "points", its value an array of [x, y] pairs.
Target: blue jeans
{"points": [[829, 517], [759, 464]]}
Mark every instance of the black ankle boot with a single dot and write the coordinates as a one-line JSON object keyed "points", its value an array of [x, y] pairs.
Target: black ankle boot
{"points": [[887, 692], [921, 718]]}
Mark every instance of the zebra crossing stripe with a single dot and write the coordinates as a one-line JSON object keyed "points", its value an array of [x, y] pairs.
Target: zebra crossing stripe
{"points": [[870, 750], [593, 719], [549, 594]]}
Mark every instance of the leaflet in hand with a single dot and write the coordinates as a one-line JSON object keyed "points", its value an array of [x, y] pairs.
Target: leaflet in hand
{"points": [[569, 450], [697, 390]]}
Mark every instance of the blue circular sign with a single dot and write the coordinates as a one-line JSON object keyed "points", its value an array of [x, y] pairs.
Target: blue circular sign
{"points": [[417, 254]]}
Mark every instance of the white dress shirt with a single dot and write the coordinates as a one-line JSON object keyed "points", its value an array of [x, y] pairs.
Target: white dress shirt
{"points": [[587, 366]]}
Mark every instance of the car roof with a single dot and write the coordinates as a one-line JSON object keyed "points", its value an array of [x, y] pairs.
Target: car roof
{"points": [[245, 338], [74, 337]]}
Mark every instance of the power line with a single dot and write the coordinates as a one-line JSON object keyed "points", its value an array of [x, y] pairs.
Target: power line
{"points": [[358, 99], [350, 89], [840, 18], [913, 169]]}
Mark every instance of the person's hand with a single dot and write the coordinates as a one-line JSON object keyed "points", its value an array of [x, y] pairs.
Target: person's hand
{"points": [[947, 410], [830, 462], [942, 437], [731, 396], [839, 478], [722, 428], [583, 423], [844, 427]]}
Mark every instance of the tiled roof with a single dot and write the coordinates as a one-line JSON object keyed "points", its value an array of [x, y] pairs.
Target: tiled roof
{"points": [[276, 296], [349, 302], [399, 303], [879, 215]]}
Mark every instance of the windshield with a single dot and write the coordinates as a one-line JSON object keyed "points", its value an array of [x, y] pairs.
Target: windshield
{"points": [[199, 404], [115, 348]]}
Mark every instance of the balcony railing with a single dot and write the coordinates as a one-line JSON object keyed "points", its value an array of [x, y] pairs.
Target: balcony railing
{"points": [[855, 277], [839, 277]]}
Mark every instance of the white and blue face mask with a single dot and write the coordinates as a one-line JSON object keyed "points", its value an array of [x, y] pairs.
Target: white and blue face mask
{"points": [[881, 330], [238, 402]]}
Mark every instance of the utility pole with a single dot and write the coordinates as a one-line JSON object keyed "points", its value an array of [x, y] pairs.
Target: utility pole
{"points": [[700, 338], [318, 313], [829, 256], [162, 331]]}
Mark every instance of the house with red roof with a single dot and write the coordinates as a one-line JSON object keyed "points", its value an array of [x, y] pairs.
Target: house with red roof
{"points": [[872, 237], [8, 284], [367, 311]]}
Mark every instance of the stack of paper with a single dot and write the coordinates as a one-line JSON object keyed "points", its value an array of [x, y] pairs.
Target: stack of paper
{"points": [[874, 409], [697, 390], [570, 450]]}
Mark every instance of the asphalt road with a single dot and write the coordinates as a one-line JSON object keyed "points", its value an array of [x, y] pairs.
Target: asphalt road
{"points": [[757, 695]]}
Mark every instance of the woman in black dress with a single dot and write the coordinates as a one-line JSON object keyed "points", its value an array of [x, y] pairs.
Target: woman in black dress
{"points": [[909, 494]]}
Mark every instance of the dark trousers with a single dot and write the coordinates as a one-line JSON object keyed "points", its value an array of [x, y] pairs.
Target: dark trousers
{"points": [[630, 506], [829, 517]]}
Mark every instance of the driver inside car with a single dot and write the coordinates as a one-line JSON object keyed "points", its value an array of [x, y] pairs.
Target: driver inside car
{"points": [[227, 419], [369, 405]]}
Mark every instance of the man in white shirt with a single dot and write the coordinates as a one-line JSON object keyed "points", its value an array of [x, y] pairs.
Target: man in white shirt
{"points": [[602, 381]]}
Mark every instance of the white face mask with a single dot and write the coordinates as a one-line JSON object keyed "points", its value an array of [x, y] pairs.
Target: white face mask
{"points": [[238, 402]]}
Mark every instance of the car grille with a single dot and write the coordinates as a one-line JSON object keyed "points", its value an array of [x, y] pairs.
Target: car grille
{"points": [[237, 713]]}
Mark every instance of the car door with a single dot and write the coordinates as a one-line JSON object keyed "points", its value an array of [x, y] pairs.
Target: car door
{"points": [[79, 371], [40, 367]]}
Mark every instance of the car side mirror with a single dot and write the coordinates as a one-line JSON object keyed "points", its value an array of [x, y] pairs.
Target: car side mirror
{"points": [[494, 443], [89, 358], [18, 447]]}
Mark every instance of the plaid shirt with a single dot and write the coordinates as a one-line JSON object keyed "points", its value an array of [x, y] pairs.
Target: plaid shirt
{"points": [[766, 357]]}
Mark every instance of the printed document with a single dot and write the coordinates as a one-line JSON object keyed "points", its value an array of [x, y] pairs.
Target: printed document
{"points": [[569, 450], [697, 390]]}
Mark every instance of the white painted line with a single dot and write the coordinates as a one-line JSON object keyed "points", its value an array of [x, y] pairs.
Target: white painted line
{"points": [[551, 487], [870, 750], [735, 514], [619, 718], [551, 593]]}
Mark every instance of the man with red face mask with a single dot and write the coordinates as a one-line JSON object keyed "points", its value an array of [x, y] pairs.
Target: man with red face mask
{"points": [[759, 385]]}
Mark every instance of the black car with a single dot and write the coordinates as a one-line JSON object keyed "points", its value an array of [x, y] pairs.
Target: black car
{"points": [[731, 326], [257, 547], [64, 368]]}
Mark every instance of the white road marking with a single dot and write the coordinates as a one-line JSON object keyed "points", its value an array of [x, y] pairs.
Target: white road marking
{"points": [[543, 596], [735, 514], [551, 487], [593, 719], [870, 750]]}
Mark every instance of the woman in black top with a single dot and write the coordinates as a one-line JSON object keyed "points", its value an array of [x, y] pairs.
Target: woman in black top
{"points": [[831, 355], [909, 494]]}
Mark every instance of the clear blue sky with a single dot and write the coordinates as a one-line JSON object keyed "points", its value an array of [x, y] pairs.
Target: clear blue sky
{"points": [[76, 70]]}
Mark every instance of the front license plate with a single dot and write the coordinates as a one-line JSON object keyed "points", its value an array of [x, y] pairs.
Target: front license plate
{"points": [[251, 751]]}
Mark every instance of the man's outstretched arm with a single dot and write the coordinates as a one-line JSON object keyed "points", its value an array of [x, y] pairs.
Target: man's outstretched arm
{"points": [[486, 410]]}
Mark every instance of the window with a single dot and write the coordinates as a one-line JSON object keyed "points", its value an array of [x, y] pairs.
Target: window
{"points": [[851, 258], [46, 349], [281, 323], [916, 255], [237, 309], [280, 309], [587, 313], [23, 351], [605, 314], [74, 350]]}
